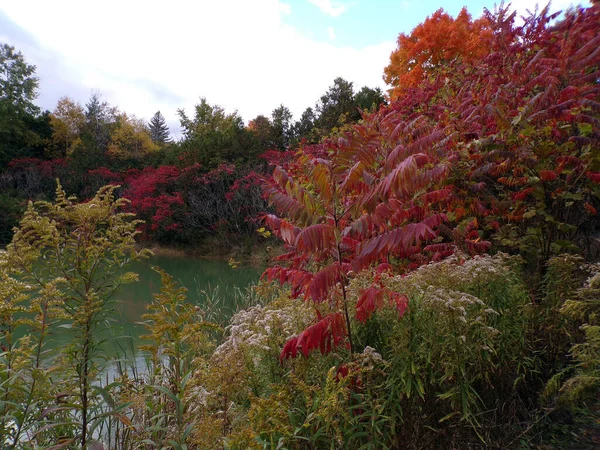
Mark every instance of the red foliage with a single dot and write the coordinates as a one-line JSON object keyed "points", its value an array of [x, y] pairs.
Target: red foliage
{"points": [[152, 196], [370, 300], [513, 123], [372, 198], [277, 158], [101, 176], [326, 334], [523, 121], [45, 168], [252, 179], [548, 175], [373, 298]]}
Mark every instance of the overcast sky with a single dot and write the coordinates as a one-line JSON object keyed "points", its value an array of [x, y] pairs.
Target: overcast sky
{"points": [[245, 55]]}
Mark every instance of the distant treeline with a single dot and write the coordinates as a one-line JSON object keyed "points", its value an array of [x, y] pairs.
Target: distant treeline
{"points": [[203, 185]]}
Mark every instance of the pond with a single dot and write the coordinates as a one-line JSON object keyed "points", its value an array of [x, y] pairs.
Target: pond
{"points": [[213, 285], [207, 281]]}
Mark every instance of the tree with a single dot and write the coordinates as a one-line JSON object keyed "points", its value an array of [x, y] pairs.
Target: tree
{"points": [[369, 99], [90, 151], [262, 129], [67, 121], [434, 43], [372, 198], [153, 197], [336, 106], [523, 121], [100, 117], [159, 131], [18, 90], [208, 119], [213, 136], [130, 139], [282, 127], [18, 83], [304, 126]]}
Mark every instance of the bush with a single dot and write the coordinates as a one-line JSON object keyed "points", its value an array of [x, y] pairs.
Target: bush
{"points": [[437, 377]]}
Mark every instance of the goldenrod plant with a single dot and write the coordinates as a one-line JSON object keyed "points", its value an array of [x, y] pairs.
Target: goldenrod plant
{"points": [[62, 268]]}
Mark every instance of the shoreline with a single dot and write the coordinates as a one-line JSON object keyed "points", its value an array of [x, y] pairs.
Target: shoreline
{"points": [[258, 254]]}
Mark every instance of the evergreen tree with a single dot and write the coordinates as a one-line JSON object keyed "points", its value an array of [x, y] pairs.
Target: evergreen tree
{"points": [[159, 132], [304, 126], [100, 118], [369, 99], [282, 127], [337, 106]]}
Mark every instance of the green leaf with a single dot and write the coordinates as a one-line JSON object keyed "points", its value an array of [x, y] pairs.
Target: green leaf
{"points": [[585, 129], [165, 391], [448, 416]]}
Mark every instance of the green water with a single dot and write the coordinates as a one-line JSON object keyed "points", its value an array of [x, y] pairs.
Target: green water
{"points": [[213, 285], [207, 281]]}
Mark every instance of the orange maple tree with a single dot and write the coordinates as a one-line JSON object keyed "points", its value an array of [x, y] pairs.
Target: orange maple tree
{"points": [[434, 43]]}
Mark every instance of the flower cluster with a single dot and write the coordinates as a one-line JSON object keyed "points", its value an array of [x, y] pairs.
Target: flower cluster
{"points": [[458, 270], [256, 328]]}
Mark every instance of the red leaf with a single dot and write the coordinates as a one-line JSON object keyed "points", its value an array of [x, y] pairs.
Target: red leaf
{"points": [[315, 238], [282, 228], [384, 267], [324, 281], [370, 300], [399, 239], [525, 192], [400, 301], [589, 208], [436, 196], [325, 335], [594, 176], [297, 279], [442, 247], [548, 175], [477, 247]]}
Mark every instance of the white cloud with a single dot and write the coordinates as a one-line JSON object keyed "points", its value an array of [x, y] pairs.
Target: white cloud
{"points": [[331, 33], [144, 56], [330, 7], [285, 8]]}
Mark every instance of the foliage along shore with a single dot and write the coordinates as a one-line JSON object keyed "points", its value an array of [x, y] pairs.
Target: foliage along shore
{"points": [[440, 286], [261, 253]]}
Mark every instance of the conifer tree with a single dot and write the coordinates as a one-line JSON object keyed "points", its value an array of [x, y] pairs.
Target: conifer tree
{"points": [[159, 132]]}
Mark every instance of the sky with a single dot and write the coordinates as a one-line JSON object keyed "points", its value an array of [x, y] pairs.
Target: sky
{"points": [[245, 55]]}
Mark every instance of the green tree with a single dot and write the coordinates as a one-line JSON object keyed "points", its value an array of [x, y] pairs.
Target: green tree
{"points": [[159, 131], [369, 99], [19, 116], [282, 127], [100, 120], [100, 117], [337, 106], [303, 128], [213, 136], [18, 83]]}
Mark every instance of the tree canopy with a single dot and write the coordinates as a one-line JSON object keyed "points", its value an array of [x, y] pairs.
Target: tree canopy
{"points": [[22, 129], [437, 41]]}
